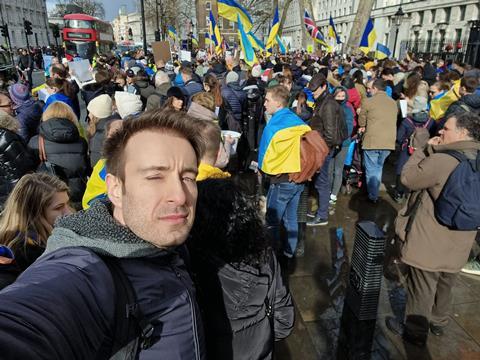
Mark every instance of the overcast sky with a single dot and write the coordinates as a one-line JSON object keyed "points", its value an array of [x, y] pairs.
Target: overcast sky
{"points": [[111, 7]]}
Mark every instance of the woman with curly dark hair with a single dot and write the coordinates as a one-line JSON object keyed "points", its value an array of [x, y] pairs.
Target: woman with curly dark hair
{"points": [[244, 301]]}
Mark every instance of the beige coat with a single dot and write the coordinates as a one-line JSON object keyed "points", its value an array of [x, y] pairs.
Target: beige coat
{"points": [[379, 117], [429, 245]]}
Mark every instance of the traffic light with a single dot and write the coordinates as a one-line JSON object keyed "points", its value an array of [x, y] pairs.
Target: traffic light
{"points": [[56, 31], [4, 29], [28, 27]]}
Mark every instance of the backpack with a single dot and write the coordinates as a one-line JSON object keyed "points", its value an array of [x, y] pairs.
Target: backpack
{"points": [[313, 151], [132, 331], [407, 143], [47, 166], [458, 205]]}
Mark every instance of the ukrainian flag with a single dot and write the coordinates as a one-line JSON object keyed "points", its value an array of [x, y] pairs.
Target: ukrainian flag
{"points": [[281, 45], [382, 52], [246, 45], [256, 43], [230, 9], [332, 33], [369, 37], [208, 41], [438, 107], [273, 31], [172, 32], [96, 186], [194, 41], [279, 151], [215, 33]]}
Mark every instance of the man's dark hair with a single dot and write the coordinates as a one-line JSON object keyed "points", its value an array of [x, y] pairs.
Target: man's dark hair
{"points": [[470, 122], [279, 93], [387, 72], [470, 84], [379, 84], [186, 70], [318, 80], [164, 121]]}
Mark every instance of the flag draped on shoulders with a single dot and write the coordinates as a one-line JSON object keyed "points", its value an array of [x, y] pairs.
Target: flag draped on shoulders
{"points": [[279, 151], [439, 106]]}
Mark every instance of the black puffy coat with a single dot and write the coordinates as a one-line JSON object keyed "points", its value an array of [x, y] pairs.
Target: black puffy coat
{"points": [[15, 161], [234, 300], [328, 119], [29, 116], [65, 148], [96, 141], [236, 98]]}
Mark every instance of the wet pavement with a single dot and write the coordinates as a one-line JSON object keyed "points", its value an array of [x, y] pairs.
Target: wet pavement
{"points": [[325, 329]]}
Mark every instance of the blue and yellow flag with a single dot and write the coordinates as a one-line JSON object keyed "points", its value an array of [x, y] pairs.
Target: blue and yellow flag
{"points": [[382, 52], [273, 31], [246, 45], [281, 45], [194, 41], [96, 186], [279, 151], [369, 37], [208, 41], [332, 33], [230, 9], [215, 33], [172, 32], [256, 43], [438, 107]]}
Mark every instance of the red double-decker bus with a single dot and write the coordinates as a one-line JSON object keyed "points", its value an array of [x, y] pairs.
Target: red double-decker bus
{"points": [[84, 35]]}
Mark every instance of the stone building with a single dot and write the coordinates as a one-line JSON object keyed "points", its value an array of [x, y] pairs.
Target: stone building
{"points": [[13, 13]]}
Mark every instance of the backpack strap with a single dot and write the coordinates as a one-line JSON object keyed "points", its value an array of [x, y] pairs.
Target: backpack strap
{"points": [[127, 333], [41, 149]]}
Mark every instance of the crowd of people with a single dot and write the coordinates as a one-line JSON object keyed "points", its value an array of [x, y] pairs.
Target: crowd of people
{"points": [[80, 242]]}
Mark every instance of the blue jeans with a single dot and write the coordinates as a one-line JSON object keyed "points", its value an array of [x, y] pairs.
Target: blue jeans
{"points": [[322, 184], [374, 160], [282, 204]]}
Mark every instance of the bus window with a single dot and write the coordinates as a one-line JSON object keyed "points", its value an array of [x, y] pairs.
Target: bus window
{"points": [[78, 24]]}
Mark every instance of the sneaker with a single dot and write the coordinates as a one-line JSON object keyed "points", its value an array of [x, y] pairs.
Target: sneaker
{"points": [[472, 267], [394, 325], [317, 222], [437, 330], [311, 215]]}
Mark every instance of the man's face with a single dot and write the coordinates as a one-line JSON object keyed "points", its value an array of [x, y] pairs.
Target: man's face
{"points": [[450, 133], [271, 104], [157, 199]]}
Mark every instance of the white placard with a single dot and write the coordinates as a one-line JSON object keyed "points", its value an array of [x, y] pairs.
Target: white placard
{"points": [[403, 107], [185, 56], [81, 70]]}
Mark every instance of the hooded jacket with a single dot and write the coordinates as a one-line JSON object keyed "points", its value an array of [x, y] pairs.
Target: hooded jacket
{"points": [[29, 115], [468, 101], [64, 304], [96, 141], [190, 88], [15, 161], [65, 148], [145, 90], [158, 97], [201, 112]]}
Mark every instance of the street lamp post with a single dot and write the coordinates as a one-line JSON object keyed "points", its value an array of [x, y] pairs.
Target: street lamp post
{"points": [[397, 18], [144, 31]]}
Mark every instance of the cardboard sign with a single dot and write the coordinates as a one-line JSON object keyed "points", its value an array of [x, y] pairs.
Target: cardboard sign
{"points": [[81, 70], [161, 51], [47, 62], [185, 56]]}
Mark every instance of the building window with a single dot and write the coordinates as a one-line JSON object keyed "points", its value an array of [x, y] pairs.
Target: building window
{"points": [[447, 14], [458, 35], [434, 12], [463, 9], [208, 5], [420, 17], [429, 40]]}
